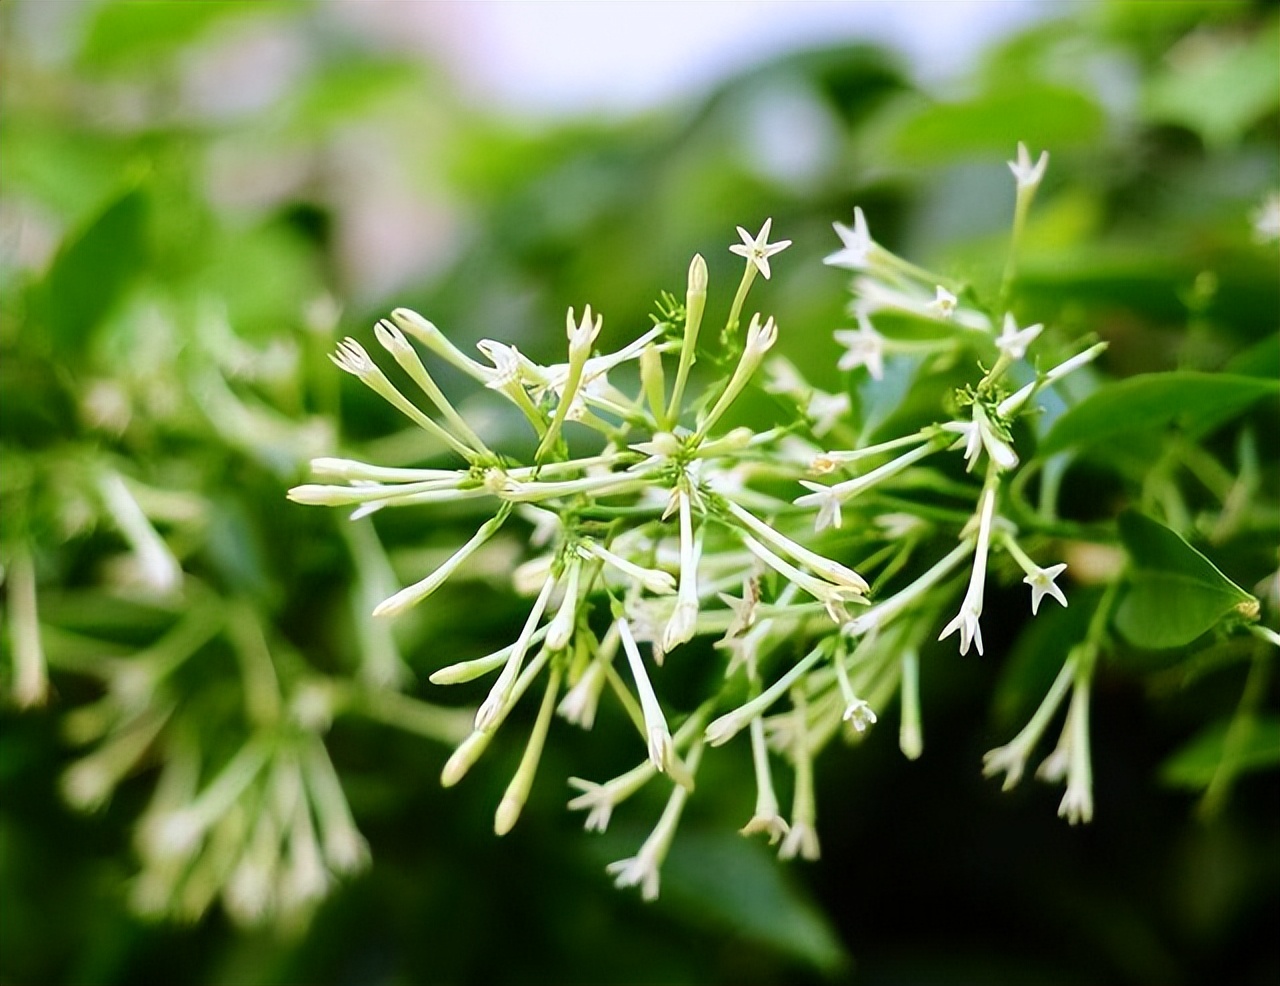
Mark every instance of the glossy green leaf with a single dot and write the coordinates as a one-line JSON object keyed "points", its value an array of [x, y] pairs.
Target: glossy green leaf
{"points": [[1154, 400], [1175, 593], [1195, 764]]}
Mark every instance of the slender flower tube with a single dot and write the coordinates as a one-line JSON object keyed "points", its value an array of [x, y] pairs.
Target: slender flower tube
{"points": [[158, 567], [1011, 759], [695, 304], [487, 716], [833, 597], [727, 726], [394, 342], [414, 594], [661, 751], [351, 356], [561, 628], [829, 498], [1014, 402], [30, 670], [802, 840], [517, 792], [684, 618], [760, 338], [830, 570], [655, 581], [643, 869], [766, 819], [966, 620]]}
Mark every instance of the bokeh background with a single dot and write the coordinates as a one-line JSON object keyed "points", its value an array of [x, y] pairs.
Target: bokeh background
{"points": [[197, 199]]}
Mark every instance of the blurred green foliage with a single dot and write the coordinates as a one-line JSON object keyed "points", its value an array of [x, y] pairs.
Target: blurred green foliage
{"points": [[176, 262]]}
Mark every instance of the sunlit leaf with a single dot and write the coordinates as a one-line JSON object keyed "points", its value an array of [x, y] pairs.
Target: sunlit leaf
{"points": [[1175, 593], [1218, 87], [92, 270], [1154, 400]]}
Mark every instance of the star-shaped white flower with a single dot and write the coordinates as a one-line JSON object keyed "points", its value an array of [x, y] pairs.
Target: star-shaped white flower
{"points": [[757, 249], [863, 346], [1013, 342], [1028, 175], [825, 410], [801, 841], [826, 499], [771, 824], [966, 622], [1041, 582], [857, 244], [860, 714], [944, 304], [598, 799]]}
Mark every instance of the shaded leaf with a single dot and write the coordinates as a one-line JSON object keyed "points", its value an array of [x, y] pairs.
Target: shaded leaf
{"points": [[726, 881], [1195, 764]]}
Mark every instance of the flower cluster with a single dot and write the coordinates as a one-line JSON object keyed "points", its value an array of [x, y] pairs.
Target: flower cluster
{"points": [[815, 556]]}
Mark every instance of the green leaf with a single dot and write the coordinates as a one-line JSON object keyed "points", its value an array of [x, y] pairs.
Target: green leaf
{"points": [[91, 271], [1155, 400], [1195, 764], [1175, 593], [138, 33], [1220, 88], [728, 882], [1041, 116]]}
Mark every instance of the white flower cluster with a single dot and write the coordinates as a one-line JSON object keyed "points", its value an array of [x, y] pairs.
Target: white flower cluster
{"points": [[678, 527]]}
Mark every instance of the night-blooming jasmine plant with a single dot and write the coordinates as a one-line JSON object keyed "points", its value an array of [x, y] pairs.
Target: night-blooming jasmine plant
{"points": [[680, 528]]}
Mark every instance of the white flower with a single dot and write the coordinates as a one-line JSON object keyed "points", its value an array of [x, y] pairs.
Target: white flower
{"points": [[658, 735], [1076, 805], [1042, 584], [859, 714], [640, 870], [1266, 219], [966, 622], [944, 304], [599, 798], [1027, 174], [1010, 759], [827, 499], [802, 840], [684, 619], [825, 410], [756, 249], [980, 434], [863, 346], [857, 244], [1013, 342], [760, 337], [582, 334], [744, 609], [773, 825], [580, 702], [784, 378], [658, 582], [509, 365]]}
